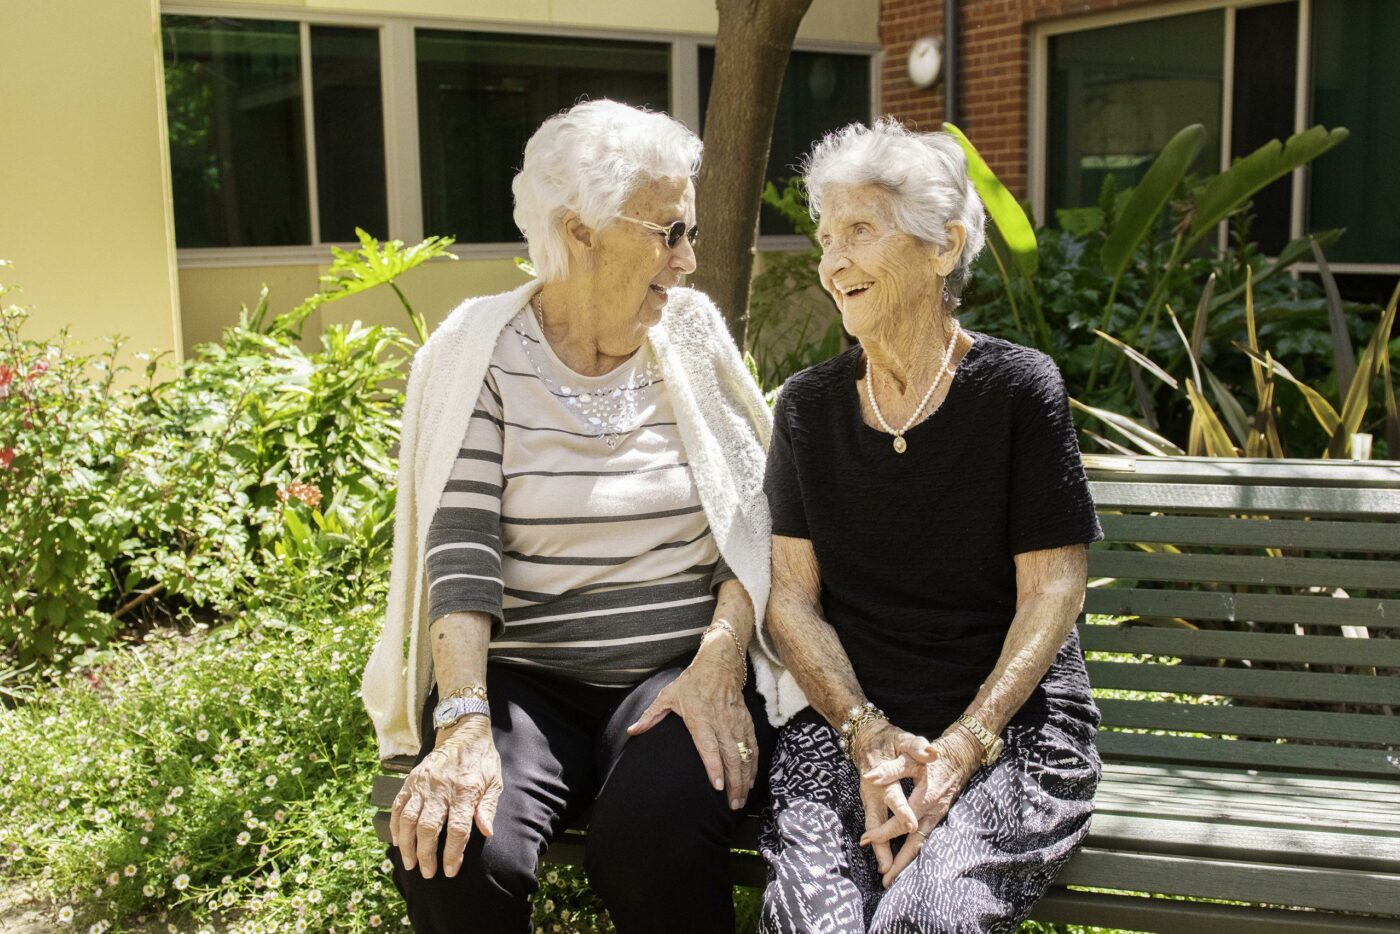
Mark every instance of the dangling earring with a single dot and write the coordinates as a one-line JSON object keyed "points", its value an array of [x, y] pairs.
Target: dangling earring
{"points": [[947, 297]]}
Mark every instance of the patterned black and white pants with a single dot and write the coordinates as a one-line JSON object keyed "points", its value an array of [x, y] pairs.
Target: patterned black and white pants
{"points": [[983, 868]]}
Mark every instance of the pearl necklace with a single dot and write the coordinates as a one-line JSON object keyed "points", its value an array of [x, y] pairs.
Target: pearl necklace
{"points": [[900, 445]]}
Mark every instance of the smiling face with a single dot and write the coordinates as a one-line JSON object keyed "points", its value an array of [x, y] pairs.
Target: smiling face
{"points": [[876, 273], [633, 261]]}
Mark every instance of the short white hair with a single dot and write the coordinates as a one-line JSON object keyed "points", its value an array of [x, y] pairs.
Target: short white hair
{"points": [[589, 160], [925, 172]]}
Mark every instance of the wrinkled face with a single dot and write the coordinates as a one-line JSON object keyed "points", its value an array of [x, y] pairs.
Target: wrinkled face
{"points": [[634, 261], [875, 272]]}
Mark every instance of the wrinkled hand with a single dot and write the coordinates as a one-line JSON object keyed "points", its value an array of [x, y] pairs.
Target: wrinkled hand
{"points": [[878, 745], [458, 783], [940, 770], [709, 697]]}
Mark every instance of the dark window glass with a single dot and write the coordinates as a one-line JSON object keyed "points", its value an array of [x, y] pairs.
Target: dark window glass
{"points": [[1120, 93], [349, 117], [235, 123], [1355, 86], [480, 97], [1266, 76], [822, 92]]}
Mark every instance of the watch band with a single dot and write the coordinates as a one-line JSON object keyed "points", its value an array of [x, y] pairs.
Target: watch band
{"points": [[992, 744], [455, 708]]}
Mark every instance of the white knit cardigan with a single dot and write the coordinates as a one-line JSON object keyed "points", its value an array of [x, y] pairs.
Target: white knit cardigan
{"points": [[724, 424]]}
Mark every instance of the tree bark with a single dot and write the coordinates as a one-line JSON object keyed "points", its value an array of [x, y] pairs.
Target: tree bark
{"points": [[752, 49]]}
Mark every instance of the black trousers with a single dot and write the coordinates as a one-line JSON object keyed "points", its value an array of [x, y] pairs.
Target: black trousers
{"points": [[658, 836]]}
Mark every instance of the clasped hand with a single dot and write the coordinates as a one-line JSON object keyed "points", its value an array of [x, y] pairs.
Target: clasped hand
{"points": [[940, 769]]}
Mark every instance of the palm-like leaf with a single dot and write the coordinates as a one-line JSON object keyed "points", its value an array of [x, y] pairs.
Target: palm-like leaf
{"points": [[1002, 207], [1145, 204], [1359, 392], [1224, 193]]}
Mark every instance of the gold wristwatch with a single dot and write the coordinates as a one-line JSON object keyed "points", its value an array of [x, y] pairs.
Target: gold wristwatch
{"points": [[992, 745]]}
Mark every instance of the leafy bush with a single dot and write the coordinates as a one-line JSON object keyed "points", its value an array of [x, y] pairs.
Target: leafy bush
{"points": [[258, 467]]}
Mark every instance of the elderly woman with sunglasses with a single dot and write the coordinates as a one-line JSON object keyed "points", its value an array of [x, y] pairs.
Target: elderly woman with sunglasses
{"points": [[929, 514], [580, 543]]}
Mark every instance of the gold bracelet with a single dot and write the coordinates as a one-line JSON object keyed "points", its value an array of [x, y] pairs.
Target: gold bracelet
{"points": [[469, 690], [858, 719], [723, 625]]}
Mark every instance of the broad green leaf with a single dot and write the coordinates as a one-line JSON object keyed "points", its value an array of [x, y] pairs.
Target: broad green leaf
{"points": [[1145, 204], [1227, 191], [1002, 207]]}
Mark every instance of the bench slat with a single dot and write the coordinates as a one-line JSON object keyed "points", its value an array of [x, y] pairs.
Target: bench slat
{"points": [[1172, 916], [1243, 682], [1233, 806], [1312, 760], [1233, 839], [1228, 532], [1268, 647], [1313, 725], [1374, 893], [1279, 783], [1265, 500], [1255, 608], [1247, 569], [1245, 471]]}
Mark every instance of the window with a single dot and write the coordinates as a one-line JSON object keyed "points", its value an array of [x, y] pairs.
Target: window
{"points": [[1354, 85], [1119, 93], [481, 96], [237, 123], [821, 92]]}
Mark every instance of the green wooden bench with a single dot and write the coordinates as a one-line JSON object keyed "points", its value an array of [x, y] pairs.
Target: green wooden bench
{"points": [[1250, 737]]}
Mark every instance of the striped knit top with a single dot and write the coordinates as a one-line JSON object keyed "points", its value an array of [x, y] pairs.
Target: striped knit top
{"points": [[572, 519]]}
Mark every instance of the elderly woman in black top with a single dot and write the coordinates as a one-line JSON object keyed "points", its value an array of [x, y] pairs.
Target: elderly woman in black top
{"points": [[930, 513]]}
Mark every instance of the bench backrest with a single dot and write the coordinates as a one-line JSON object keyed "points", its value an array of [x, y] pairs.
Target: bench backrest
{"points": [[1267, 605]]}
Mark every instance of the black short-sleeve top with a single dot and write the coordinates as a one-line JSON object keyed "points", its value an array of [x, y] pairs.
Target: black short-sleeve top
{"points": [[916, 550]]}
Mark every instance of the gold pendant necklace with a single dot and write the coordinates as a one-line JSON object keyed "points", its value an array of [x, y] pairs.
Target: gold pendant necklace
{"points": [[900, 445]]}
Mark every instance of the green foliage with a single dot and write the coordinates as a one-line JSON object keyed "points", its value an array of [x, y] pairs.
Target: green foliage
{"points": [[223, 777], [130, 502]]}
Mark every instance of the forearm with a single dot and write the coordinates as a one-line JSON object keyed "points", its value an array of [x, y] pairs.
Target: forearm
{"points": [[734, 606], [1046, 610], [809, 647], [460, 642]]}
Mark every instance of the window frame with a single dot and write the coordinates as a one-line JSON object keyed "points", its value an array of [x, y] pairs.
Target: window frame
{"points": [[1037, 130], [399, 87]]}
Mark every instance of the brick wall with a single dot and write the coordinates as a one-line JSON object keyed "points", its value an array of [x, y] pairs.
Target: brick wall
{"points": [[993, 70]]}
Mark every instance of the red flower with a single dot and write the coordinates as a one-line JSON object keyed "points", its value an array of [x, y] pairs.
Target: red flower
{"points": [[7, 376], [39, 368], [7, 456]]}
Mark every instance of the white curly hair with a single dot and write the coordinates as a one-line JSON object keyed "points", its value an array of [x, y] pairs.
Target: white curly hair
{"points": [[925, 172], [589, 160]]}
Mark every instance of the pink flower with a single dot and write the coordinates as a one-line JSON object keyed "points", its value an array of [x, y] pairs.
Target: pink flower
{"points": [[7, 376], [7, 456], [39, 368]]}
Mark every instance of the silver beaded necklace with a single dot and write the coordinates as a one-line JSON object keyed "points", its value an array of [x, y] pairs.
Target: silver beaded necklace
{"points": [[900, 445], [609, 414]]}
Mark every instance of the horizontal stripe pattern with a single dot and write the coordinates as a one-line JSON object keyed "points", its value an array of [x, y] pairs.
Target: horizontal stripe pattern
{"points": [[596, 563]]}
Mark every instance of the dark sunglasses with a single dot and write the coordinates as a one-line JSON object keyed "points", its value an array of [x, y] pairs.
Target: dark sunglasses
{"points": [[672, 234]]}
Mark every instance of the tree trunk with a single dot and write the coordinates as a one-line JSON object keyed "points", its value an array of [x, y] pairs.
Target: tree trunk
{"points": [[751, 53]]}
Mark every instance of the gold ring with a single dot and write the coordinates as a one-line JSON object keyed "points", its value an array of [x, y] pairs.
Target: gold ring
{"points": [[919, 832], [745, 753]]}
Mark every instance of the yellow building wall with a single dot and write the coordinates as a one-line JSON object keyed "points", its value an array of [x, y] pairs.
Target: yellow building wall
{"points": [[84, 181], [85, 201]]}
